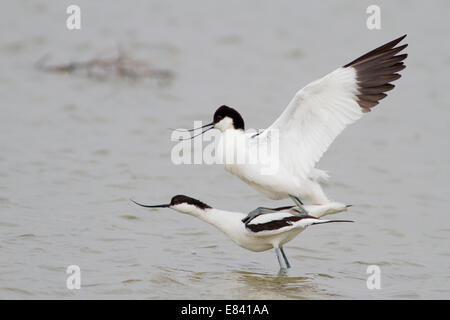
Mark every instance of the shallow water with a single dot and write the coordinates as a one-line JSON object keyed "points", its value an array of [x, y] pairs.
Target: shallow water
{"points": [[74, 150]]}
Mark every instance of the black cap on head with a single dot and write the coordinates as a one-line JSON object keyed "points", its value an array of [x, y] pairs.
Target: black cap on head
{"points": [[225, 111], [178, 199]]}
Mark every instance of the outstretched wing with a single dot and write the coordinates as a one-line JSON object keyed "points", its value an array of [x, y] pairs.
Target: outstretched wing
{"points": [[320, 111]]}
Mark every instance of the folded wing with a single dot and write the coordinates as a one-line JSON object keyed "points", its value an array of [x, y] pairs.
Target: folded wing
{"points": [[279, 222]]}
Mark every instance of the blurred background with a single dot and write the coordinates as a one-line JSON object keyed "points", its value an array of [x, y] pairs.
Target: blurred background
{"points": [[84, 126]]}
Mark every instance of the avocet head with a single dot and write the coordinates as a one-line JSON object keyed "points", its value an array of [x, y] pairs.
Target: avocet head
{"points": [[224, 118], [227, 118], [183, 204]]}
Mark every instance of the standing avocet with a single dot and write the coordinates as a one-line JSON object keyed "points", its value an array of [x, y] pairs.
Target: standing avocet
{"points": [[262, 233], [317, 114]]}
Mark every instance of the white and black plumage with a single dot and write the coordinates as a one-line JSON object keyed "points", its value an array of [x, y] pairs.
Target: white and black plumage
{"points": [[271, 230], [316, 115]]}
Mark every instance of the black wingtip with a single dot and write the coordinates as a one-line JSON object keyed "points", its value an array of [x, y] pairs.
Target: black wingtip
{"points": [[400, 38], [376, 70], [381, 49]]}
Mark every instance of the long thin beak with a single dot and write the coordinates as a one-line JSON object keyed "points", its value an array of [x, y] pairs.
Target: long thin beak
{"points": [[155, 206], [190, 130], [211, 126]]}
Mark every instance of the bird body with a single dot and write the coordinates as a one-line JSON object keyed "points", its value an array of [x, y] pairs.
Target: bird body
{"points": [[262, 233], [267, 173], [247, 236]]}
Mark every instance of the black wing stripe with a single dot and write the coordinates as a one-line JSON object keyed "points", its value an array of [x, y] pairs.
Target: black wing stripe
{"points": [[276, 224]]}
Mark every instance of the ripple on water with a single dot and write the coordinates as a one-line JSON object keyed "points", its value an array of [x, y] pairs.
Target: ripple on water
{"points": [[240, 284], [8, 224], [130, 217], [378, 263], [114, 239], [20, 292], [280, 286], [101, 152], [131, 281], [90, 250], [309, 257], [61, 269], [27, 235]]}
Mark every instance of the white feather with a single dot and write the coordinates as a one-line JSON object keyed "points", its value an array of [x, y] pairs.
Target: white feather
{"points": [[317, 114]]}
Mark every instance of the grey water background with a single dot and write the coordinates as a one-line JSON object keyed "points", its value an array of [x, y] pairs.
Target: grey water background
{"points": [[74, 150]]}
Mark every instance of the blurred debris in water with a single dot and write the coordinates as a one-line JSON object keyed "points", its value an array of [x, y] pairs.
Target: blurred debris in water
{"points": [[104, 68]]}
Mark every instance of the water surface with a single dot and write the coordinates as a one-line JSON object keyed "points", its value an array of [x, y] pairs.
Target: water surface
{"points": [[74, 150]]}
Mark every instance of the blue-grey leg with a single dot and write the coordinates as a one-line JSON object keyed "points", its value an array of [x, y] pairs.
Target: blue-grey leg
{"points": [[280, 259], [258, 211], [285, 258], [299, 204]]}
